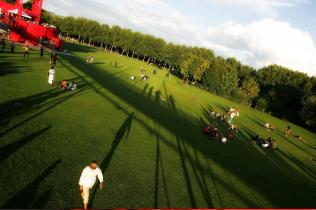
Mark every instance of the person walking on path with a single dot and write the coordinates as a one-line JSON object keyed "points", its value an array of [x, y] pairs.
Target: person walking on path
{"points": [[87, 180]]}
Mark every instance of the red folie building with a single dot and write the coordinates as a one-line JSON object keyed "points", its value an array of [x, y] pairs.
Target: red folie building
{"points": [[24, 24]]}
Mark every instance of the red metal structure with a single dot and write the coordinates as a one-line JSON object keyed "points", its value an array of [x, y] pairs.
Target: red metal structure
{"points": [[24, 24]]}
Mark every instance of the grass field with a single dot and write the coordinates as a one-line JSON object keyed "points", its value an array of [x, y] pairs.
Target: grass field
{"points": [[146, 135]]}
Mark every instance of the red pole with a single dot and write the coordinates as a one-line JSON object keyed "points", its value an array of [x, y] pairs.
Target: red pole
{"points": [[37, 10], [19, 6]]}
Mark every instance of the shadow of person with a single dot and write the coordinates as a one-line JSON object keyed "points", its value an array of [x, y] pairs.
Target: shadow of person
{"points": [[124, 129], [7, 150], [26, 197]]}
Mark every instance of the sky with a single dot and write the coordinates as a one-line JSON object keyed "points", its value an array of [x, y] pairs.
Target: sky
{"points": [[256, 32]]}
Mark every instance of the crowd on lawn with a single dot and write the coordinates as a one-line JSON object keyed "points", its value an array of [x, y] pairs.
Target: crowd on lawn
{"points": [[64, 84], [231, 129], [213, 132], [143, 75]]}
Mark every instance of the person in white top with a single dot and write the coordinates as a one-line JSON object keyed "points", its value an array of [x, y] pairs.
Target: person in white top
{"points": [[87, 180], [51, 76]]}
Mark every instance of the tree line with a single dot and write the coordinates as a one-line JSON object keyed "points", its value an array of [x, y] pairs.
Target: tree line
{"points": [[280, 91]]}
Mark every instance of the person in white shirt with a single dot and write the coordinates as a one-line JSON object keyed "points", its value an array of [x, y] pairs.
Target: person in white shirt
{"points": [[51, 76], [87, 180]]}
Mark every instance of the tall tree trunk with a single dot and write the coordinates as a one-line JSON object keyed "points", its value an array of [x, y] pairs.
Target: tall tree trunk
{"points": [[144, 59], [133, 54]]}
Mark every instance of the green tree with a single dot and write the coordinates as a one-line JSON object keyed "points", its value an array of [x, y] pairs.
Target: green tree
{"points": [[309, 112], [249, 90]]}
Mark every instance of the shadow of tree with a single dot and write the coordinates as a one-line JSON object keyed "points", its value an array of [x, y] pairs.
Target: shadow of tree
{"points": [[36, 102], [7, 150], [25, 198], [124, 130], [8, 67]]}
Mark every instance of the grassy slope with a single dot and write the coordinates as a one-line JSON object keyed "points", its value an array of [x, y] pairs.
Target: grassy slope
{"points": [[152, 152]]}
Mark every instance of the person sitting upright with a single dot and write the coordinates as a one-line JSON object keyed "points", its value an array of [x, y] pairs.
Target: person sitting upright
{"points": [[272, 143], [214, 134], [64, 84], [288, 131]]}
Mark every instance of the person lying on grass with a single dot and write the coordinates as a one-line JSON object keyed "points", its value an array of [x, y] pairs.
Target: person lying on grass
{"points": [[300, 138], [269, 127], [272, 143], [72, 86], [269, 143]]}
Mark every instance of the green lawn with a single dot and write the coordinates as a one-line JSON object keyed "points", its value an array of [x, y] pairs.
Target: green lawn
{"points": [[151, 150]]}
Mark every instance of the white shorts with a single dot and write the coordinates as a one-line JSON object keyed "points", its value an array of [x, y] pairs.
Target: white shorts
{"points": [[86, 194], [50, 79]]}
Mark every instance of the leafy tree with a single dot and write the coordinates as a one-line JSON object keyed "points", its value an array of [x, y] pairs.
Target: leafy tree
{"points": [[309, 112], [250, 89]]}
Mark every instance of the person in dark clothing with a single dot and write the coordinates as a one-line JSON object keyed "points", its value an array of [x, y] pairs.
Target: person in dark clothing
{"points": [[42, 52], [3, 44], [12, 47]]}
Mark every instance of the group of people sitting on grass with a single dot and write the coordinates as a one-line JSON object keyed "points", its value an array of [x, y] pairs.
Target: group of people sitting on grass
{"points": [[213, 133], [143, 76], [228, 117], [68, 85], [268, 143]]}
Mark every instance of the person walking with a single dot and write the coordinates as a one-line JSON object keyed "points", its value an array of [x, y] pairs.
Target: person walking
{"points": [[51, 76], [87, 180], [42, 52], [3, 44], [26, 51], [12, 47]]}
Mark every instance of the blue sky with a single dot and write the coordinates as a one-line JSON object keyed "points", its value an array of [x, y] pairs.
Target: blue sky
{"points": [[257, 32]]}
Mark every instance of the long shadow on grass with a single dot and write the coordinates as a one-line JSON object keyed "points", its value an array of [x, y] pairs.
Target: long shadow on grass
{"points": [[160, 114], [9, 110], [26, 198], [7, 150], [159, 168], [7, 68], [188, 131], [124, 130]]}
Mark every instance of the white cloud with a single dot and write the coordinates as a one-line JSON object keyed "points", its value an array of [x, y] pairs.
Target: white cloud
{"points": [[266, 42], [267, 8], [259, 43]]}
